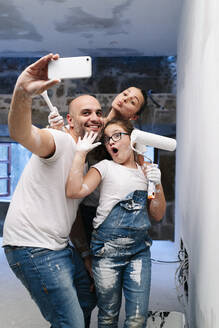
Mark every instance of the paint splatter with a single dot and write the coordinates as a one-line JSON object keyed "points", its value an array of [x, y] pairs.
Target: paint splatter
{"points": [[58, 267], [85, 186], [136, 273]]}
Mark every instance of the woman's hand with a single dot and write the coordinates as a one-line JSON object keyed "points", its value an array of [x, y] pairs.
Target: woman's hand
{"points": [[55, 120], [153, 174], [157, 204]]}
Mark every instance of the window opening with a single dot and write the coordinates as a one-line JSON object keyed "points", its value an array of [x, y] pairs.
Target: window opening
{"points": [[5, 169]]}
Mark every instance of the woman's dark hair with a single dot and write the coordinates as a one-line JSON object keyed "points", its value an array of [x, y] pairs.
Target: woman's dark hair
{"points": [[144, 105]]}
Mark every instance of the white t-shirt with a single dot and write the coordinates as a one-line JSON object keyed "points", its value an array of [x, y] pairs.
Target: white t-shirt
{"points": [[117, 182], [40, 215]]}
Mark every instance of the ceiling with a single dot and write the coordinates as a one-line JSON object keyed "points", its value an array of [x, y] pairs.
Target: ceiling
{"points": [[89, 27]]}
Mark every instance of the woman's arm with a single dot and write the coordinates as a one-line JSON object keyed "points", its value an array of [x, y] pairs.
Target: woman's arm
{"points": [[78, 185], [157, 205]]}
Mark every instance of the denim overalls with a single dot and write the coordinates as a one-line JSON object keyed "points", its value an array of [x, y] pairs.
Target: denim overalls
{"points": [[121, 260]]}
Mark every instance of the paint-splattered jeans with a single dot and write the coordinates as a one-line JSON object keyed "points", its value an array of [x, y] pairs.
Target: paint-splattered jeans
{"points": [[58, 283], [121, 261]]}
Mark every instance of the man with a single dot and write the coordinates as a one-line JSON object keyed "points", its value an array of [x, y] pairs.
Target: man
{"points": [[40, 217]]}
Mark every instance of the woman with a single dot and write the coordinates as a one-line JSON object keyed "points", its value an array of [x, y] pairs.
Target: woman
{"points": [[120, 242], [126, 105]]}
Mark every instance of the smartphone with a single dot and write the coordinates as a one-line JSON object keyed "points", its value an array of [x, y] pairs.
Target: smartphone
{"points": [[70, 68]]}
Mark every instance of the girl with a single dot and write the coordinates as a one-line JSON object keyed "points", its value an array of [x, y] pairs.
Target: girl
{"points": [[120, 242]]}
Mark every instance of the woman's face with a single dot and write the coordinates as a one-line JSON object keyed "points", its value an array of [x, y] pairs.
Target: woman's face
{"points": [[117, 143], [128, 103]]}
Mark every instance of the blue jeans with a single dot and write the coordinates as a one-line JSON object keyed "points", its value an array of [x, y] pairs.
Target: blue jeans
{"points": [[121, 261], [133, 276], [58, 283]]}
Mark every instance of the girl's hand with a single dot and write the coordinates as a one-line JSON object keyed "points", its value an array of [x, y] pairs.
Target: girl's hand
{"points": [[86, 143]]}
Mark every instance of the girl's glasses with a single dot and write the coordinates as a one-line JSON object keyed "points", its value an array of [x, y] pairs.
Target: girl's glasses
{"points": [[115, 137]]}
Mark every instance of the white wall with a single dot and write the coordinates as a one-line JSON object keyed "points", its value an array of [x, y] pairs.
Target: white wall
{"points": [[197, 173]]}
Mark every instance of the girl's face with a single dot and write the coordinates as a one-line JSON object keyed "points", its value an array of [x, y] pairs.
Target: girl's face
{"points": [[128, 103], [117, 143]]}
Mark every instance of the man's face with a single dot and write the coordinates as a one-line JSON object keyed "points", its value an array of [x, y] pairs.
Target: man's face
{"points": [[85, 115]]}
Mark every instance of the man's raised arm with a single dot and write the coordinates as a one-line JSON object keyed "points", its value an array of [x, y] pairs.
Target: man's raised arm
{"points": [[32, 81]]}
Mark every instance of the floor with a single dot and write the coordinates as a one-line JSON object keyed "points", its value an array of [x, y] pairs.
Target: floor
{"points": [[17, 310]]}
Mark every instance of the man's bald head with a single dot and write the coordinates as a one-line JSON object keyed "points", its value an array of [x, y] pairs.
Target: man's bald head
{"points": [[85, 115]]}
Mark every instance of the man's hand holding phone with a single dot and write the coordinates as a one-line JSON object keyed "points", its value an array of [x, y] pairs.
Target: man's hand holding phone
{"points": [[34, 79]]}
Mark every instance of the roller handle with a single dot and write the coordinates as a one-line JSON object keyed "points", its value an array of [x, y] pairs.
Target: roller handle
{"points": [[47, 100], [151, 190], [151, 187]]}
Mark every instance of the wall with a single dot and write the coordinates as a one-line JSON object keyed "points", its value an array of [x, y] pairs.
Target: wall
{"points": [[197, 205]]}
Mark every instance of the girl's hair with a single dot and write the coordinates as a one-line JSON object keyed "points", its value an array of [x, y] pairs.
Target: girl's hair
{"points": [[100, 152], [125, 124]]}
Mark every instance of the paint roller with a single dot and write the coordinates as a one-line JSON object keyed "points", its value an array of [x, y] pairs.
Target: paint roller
{"points": [[141, 139]]}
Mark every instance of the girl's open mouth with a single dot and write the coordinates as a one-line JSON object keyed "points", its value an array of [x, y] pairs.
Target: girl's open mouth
{"points": [[115, 150]]}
